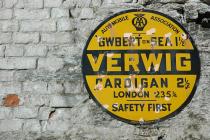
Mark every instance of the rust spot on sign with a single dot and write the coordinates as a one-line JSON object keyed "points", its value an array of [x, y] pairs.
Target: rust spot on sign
{"points": [[11, 100]]}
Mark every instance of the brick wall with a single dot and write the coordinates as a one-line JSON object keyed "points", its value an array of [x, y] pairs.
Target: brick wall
{"points": [[41, 90]]}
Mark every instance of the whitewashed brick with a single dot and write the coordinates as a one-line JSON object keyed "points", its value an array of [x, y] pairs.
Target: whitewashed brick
{"points": [[55, 88], [81, 3], [2, 49], [44, 113], [50, 64], [6, 76], [73, 87], [20, 4], [65, 24], [5, 13], [10, 3], [18, 63], [1, 4], [21, 75], [23, 112], [61, 114], [25, 38], [31, 125], [31, 4], [36, 50], [66, 51], [128, 1], [36, 87], [6, 113], [56, 126], [32, 14], [59, 12], [69, 4], [74, 69], [75, 12], [57, 38], [44, 25], [7, 25], [5, 38], [14, 50], [2, 99], [35, 99], [111, 2], [97, 3], [10, 87], [87, 13], [52, 3], [65, 101], [10, 125]]}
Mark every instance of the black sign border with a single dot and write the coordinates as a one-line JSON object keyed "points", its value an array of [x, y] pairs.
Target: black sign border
{"points": [[143, 122]]}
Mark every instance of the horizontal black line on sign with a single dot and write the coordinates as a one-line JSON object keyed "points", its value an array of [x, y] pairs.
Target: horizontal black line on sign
{"points": [[113, 73], [139, 51], [133, 49], [141, 100]]}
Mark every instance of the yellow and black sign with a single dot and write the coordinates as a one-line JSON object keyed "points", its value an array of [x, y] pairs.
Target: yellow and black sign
{"points": [[141, 66]]}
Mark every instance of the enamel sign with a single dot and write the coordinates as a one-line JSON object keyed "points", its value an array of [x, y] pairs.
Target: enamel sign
{"points": [[141, 66]]}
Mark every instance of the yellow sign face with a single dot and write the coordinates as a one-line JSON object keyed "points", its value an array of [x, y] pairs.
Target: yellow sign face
{"points": [[141, 66]]}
